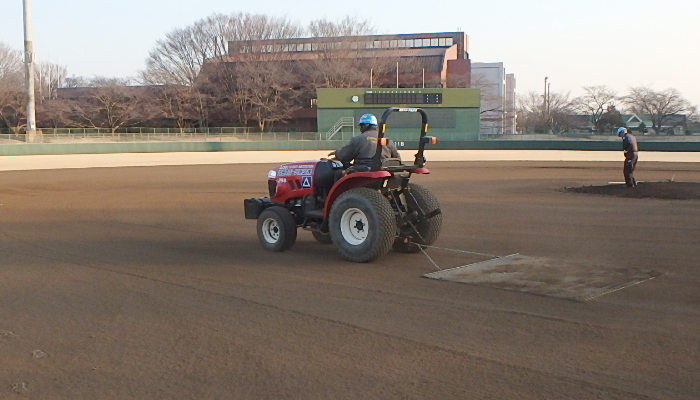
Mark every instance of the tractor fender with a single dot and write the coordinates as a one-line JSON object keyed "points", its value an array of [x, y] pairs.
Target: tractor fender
{"points": [[351, 181]]}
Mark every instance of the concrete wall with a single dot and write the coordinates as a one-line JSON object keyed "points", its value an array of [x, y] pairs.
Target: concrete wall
{"points": [[105, 148]]}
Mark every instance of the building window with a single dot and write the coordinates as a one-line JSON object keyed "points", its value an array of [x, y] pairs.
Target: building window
{"points": [[434, 42], [402, 43], [441, 41], [448, 41]]}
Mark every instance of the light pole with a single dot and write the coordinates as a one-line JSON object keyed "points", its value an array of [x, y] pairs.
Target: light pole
{"points": [[30, 130], [550, 122]]}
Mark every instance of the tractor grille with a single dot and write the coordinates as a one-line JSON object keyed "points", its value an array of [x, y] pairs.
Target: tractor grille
{"points": [[272, 187]]}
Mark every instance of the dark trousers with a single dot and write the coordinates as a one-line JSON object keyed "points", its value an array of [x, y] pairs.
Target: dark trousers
{"points": [[628, 169]]}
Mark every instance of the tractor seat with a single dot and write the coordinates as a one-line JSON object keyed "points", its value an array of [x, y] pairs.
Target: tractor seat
{"points": [[391, 162], [357, 168]]}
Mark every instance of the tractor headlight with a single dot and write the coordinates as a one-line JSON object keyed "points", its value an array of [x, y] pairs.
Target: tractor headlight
{"points": [[272, 174]]}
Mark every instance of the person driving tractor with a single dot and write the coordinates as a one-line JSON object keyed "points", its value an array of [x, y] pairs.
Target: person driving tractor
{"points": [[362, 148]]}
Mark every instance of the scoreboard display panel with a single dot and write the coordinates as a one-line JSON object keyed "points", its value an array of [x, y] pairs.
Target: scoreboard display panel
{"points": [[403, 98]]}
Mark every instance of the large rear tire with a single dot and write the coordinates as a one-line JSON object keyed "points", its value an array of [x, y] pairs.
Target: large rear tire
{"points": [[277, 230], [426, 232], [362, 225]]}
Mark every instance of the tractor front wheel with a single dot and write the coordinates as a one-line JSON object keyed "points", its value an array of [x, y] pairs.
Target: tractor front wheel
{"points": [[277, 229], [362, 225]]}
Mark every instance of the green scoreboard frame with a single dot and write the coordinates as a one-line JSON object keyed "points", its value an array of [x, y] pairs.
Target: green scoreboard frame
{"points": [[453, 113]]}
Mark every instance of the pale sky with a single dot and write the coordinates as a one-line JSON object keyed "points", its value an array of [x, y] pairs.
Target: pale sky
{"points": [[617, 43]]}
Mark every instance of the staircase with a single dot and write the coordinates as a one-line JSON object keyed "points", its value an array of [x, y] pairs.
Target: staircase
{"points": [[343, 122]]}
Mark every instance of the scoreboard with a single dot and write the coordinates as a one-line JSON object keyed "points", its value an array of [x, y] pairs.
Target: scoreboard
{"points": [[454, 113], [403, 98]]}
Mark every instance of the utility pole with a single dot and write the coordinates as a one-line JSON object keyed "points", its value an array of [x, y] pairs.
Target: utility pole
{"points": [[30, 130], [545, 109], [397, 74]]}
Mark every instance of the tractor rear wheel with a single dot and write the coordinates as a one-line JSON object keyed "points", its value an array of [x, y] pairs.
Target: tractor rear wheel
{"points": [[362, 225], [424, 232], [277, 230]]}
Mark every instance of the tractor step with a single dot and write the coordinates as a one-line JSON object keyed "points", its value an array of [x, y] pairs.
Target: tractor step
{"points": [[315, 214]]}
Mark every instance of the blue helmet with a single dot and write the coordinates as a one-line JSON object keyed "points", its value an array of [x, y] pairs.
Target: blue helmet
{"points": [[368, 119], [621, 130]]}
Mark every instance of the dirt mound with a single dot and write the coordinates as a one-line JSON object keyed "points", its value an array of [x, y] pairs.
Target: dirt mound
{"points": [[646, 190]]}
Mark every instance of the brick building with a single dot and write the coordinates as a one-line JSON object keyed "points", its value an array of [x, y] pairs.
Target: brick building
{"points": [[440, 59], [422, 60]]}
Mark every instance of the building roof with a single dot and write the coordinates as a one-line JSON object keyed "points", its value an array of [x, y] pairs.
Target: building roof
{"points": [[637, 119], [431, 59], [442, 40]]}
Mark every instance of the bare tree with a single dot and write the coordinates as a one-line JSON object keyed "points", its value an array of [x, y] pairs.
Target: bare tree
{"points": [[49, 77], [12, 96], [179, 57], [13, 106], [10, 67], [348, 26], [492, 101], [222, 83], [76, 82], [595, 103], [561, 111], [54, 113], [346, 68], [112, 103], [184, 105], [344, 63], [530, 113], [610, 120], [266, 93], [661, 106], [555, 114]]}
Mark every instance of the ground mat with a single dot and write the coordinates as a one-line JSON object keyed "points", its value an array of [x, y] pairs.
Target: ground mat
{"points": [[546, 276]]}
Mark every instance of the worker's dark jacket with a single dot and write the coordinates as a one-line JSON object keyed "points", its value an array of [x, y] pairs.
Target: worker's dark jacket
{"points": [[362, 149], [627, 144]]}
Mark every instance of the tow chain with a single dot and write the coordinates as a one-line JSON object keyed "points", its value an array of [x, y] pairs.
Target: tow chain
{"points": [[463, 251], [454, 250], [422, 246]]}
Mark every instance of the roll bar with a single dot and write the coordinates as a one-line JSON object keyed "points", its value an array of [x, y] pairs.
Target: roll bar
{"points": [[420, 160]]}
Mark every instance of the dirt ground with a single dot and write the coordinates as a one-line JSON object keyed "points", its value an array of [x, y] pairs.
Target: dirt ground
{"points": [[148, 283], [670, 190]]}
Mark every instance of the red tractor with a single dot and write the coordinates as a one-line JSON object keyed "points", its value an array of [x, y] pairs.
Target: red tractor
{"points": [[365, 211]]}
